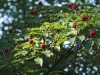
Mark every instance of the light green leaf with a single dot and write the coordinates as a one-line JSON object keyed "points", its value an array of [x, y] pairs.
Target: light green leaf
{"points": [[61, 40], [22, 53], [39, 61], [74, 32], [47, 53], [26, 46]]}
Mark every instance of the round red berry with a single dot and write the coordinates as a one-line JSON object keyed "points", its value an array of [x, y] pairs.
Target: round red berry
{"points": [[74, 25], [31, 41], [69, 5], [84, 18], [43, 46], [92, 33], [74, 7], [34, 12]]}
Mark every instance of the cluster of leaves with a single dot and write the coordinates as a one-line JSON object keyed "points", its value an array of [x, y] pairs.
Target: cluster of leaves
{"points": [[42, 45]]}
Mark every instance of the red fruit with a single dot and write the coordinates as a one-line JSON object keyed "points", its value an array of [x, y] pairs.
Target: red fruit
{"points": [[6, 50], [31, 41], [92, 33], [74, 25], [84, 18], [74, 7], [43, 46], [34, 12], [69, 5], [40, 3]]}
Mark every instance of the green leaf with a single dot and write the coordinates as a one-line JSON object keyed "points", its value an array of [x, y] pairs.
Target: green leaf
{"points": [[21, 53], [47, 53], [97, 41], [18, 61], [26, 46], [82, 37], [61, 40], [87, 45], [71, 33], [46, 24], [82, 1], [36, 29], [39, 61], [72, 40], [78, 41]]}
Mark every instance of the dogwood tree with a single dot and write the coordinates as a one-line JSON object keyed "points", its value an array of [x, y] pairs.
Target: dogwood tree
{"points": [[50, 38]]}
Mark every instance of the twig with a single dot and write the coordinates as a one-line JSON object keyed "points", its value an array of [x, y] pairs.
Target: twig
{"points": [[57, 62], [5, 60], [76, 49]]}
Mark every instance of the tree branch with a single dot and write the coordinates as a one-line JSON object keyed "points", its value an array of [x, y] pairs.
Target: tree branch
{"points": [[72, 50]]}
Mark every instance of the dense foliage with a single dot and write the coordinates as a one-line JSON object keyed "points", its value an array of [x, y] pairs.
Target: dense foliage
{"points": [[36, 44]]}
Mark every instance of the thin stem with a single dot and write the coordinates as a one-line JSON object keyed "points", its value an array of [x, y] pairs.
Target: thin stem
{"points": [[5, 60]]}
